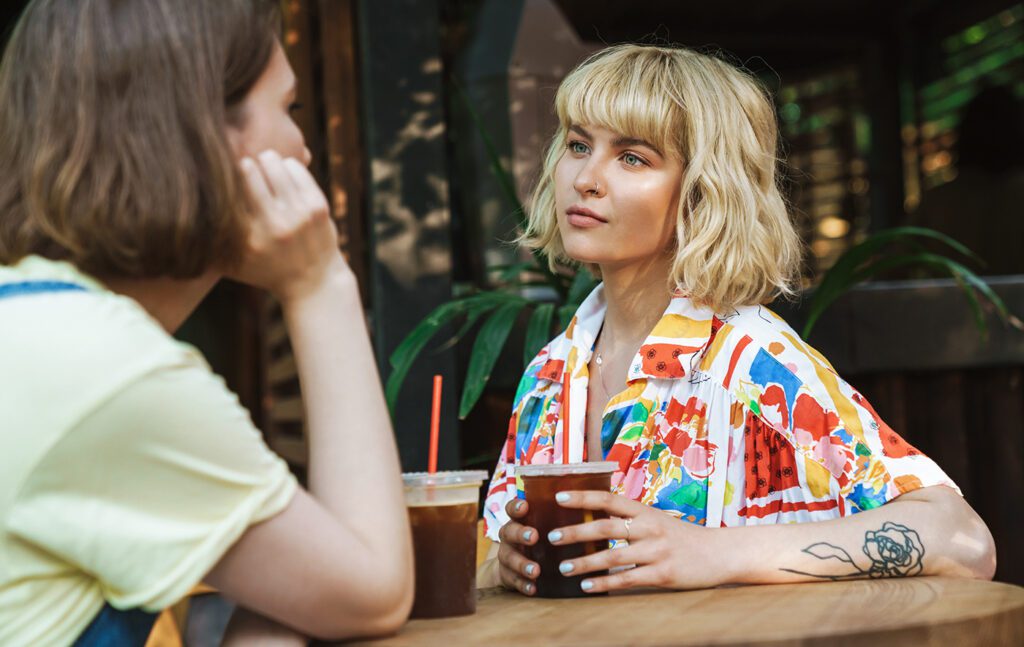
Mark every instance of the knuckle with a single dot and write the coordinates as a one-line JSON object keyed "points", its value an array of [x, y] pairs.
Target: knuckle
{"points": [[662, 578], [319, 208]]}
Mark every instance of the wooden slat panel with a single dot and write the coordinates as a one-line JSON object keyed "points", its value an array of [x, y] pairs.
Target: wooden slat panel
{"points": [[345, 157], [287, 409], [282, 370], [996, 419], [292, 450], [937, 413], [276, 333]]}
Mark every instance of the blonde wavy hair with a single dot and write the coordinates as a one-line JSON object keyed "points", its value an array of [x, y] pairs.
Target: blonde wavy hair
{"points": [[735, 241]]}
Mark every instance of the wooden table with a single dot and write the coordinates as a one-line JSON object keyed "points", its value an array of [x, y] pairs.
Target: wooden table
{"points": [[912, 611]]}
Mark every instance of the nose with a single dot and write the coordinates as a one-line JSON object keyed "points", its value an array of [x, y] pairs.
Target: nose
{"points": [[589, 181]]}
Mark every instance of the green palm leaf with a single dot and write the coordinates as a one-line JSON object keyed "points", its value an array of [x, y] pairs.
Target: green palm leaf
{"points": [[538, 331], [407, 351], [486, 349]]}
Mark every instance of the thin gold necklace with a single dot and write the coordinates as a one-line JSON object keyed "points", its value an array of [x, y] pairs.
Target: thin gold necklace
{"points": [[599, 361]]}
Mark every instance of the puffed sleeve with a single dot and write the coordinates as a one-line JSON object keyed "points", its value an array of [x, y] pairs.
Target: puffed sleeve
{"points": [[815, 445]]}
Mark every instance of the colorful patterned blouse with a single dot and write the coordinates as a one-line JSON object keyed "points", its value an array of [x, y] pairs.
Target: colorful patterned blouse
{"points": [[726, 420]]}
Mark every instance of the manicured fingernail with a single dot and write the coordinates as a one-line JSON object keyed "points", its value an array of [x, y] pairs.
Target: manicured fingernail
{"points": [[528, 588], [527, 535], [518, 506], [586, 585], [555, 535], [562, 497], [566, 567], [530, 568]]}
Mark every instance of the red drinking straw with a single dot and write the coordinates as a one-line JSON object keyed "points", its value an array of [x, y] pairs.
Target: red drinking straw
{"points": [[435, 423], [566, 378], [510, 458]]}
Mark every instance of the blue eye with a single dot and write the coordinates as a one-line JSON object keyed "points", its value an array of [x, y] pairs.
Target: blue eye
{"points": [[632, 160], [579, 148]]}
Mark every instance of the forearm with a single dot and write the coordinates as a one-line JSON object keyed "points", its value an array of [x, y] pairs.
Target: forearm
{"points": [[931, 531], [248, 629], [353, 463]]}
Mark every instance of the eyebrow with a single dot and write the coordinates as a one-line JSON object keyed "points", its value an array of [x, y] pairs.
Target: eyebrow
{"points": [[618, 142]]}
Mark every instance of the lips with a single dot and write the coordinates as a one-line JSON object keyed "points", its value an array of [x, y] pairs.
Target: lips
{"points": [[583, 217]]}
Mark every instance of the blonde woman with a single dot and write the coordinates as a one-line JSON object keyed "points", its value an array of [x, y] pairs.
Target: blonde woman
{"points": [[147, 150], [742, 456]]}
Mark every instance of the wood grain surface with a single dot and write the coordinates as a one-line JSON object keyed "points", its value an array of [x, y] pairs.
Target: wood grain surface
{"points": [[913, 611]]}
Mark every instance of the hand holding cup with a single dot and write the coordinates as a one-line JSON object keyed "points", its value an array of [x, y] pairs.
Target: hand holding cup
{"points": [[516, 571]]}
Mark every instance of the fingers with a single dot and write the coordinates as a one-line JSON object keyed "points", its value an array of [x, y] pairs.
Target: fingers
{"points": [[606, 559], [635, 577], [516, 571], [510, 579], [613, 504], [278, 178], [516, 533], [600, 530], [257, 183], [306, 187], [516, 562], [517, 508]]}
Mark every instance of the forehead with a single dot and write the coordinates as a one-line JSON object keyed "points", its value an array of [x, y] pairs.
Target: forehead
{"points": [[624, 113], [278, 77]]}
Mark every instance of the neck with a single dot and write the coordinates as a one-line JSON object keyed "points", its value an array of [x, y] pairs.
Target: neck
{"points": [[169, 301], [636, 297]]}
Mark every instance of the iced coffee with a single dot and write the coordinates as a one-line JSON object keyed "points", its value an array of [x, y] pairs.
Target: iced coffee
{"points": [[540, 484], [443, 510]]}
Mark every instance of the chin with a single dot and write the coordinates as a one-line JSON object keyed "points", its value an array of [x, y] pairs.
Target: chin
{"points": [[586, 256]]}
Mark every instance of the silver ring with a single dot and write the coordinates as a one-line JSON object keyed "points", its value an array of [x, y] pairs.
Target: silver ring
{"points": [[628, 521]]}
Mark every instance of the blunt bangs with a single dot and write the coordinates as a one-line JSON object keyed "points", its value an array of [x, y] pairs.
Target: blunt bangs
{"points": [[625, 92]]}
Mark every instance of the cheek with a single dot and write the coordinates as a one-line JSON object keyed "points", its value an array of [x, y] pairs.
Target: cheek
{"points": [[655, 205], [564, 176], [296, 142]]}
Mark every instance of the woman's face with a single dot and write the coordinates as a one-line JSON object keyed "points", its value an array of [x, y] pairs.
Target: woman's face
{"points": [[616, 197], [265, 114]]}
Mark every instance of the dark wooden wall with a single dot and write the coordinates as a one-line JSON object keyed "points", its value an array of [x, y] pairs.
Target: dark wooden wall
{"points": [[971, 422]]}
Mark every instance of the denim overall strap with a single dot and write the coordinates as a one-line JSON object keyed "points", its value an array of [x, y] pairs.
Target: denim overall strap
{"points": [[114, 628], [37, 287], [111, 627]]}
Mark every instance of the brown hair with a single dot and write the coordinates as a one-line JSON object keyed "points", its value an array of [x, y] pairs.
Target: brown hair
{"points": [[113, 144]]}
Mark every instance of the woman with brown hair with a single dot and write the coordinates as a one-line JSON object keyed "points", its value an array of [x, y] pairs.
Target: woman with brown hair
{"points": [[147, 151]]}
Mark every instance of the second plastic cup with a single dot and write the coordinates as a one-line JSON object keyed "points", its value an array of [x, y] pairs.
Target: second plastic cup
{"points": [[540, 484], [443, 510]]}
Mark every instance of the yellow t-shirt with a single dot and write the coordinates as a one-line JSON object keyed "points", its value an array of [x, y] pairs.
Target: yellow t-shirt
{"points": [[127, 468]]}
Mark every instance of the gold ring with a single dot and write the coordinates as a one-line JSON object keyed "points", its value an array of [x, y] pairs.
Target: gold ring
{"points": [[628, 521]]}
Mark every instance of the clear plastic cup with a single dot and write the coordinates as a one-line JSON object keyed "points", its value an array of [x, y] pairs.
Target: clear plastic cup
{"points": [[443, 511], [540, 484]]}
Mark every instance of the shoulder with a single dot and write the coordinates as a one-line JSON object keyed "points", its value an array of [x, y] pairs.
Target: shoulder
{"points": [[752, 347], [91, 325], [65, 353]]}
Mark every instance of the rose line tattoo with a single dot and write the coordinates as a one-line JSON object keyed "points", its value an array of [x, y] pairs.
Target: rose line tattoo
{"points": [[894, 551]]}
